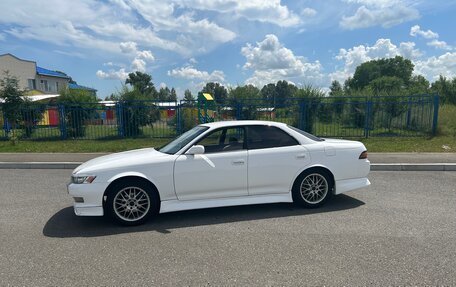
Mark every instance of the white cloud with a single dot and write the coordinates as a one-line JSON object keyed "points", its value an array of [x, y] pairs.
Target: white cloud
{"points": [[383, 48], [113, 75], [121, 3], [432, 67], [139, 63], [416, 30], [375, 3], [128, 47], [440, 45], [378, 13], [271, 62], [101, 26], [272, 11], [430, 35], [145, 55], [191, 73], [308, 12], [2, 37]]}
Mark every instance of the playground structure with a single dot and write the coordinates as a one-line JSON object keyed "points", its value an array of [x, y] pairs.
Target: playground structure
{"points": [[206, 108]]}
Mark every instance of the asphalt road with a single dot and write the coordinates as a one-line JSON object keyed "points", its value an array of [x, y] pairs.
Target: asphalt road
{"points": [[400, 231]]}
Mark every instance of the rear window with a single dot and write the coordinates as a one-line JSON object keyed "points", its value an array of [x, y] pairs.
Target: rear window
{"points": [[306, 134], [259, 137]]}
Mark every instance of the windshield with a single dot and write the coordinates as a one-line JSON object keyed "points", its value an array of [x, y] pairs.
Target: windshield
{"points": [[306, 134], [183, 140]]}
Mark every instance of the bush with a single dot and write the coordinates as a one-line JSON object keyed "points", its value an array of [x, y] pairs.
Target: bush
{"points": [[78, 105], [136, 111]]}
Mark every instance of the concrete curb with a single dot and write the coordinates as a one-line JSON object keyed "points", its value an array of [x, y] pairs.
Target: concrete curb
{"points": [[39, 165], [374, 166], [413, 167]]}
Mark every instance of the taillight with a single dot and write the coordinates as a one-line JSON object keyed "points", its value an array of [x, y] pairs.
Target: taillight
{"points": [[363, 155]]}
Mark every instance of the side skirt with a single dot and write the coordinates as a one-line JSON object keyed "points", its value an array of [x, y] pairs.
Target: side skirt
{"points": [[178, 205]]}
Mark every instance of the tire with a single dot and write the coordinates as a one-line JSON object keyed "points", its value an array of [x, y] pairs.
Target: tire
{"points": [[132, 202], [312, 188]]}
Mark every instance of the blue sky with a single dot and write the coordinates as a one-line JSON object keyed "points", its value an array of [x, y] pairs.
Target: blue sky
{"points": [[185, 43]]}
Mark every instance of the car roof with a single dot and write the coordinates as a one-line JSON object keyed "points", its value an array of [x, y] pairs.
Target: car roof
{"points": [[241, 123]]}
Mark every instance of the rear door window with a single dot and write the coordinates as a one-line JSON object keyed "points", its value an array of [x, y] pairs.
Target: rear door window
{"points": [[259, 137]]}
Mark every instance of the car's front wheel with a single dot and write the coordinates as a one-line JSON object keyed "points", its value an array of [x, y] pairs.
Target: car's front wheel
{"points": [[312, 188], [132, 203]]}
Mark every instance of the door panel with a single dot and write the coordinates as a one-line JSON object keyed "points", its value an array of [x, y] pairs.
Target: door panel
{"points": [[272, 170], [211, 175]]}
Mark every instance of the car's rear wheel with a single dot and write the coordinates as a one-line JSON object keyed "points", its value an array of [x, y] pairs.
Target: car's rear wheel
{"points": [[312, 188], [132, 203]]}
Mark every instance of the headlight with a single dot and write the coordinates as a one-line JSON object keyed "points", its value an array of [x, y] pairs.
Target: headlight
{"points": [[82, 179]]}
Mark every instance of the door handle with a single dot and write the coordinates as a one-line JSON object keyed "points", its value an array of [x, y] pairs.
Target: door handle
{"points": [[301, 156], [238, 162]]}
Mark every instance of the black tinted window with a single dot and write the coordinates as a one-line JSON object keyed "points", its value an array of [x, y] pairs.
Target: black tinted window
{"points": [[268, 137], [223, 140], [306, 134]]}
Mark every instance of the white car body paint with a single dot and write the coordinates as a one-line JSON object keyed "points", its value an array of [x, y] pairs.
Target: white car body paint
{"points": [[223, 179]]}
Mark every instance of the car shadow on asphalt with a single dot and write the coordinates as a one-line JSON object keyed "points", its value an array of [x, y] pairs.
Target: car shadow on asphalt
{"points": [[64, 224]]}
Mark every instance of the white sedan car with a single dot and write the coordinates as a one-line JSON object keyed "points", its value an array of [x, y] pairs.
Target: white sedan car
{"points": [[219, 164]]}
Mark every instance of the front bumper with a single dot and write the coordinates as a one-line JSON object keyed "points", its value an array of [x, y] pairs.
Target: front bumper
{"points": [[92, 195]]}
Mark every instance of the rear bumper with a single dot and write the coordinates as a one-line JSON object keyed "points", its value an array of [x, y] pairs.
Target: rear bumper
{"points": [[351, 184]]}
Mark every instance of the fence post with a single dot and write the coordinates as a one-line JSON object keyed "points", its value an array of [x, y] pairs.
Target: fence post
{"points": [[62, 122], [409, 112], [368, 116], [302, 115], [120, 120], [436, 115], [238, 111], [178, 118]]}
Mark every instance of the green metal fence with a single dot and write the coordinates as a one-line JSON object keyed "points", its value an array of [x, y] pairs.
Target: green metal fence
{"points": [[354, 117]]}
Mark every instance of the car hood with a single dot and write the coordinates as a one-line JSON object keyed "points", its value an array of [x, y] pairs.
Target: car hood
{"points": [[121, 159]]}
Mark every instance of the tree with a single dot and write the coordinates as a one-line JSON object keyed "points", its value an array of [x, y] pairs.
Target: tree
{"points": [[387, 67], [143, 83], [78, 105], [136, 111], [269, 93], [446, 89], [336, 89], [313, 109], [418, 85], [13, 99], [164, 94], [112, 97], [284, 91], [218, 91], [241, 95], [17, 109], [386, 86], [172, 95], [188, 96]]}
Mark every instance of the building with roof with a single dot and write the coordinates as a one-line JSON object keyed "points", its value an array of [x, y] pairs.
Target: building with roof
{"points": [[35, 79]]}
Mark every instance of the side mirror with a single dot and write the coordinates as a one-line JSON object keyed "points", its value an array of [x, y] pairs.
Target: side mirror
{"points": [[196, 149]]}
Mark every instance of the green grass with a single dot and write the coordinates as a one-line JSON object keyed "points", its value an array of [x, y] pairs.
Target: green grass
{"points": [[75, 146], [377, 144], [415, 144]]}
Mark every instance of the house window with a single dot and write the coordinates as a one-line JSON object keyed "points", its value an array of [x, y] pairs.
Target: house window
{"points": [[44, 85], [31, 84], [57, 86]]}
